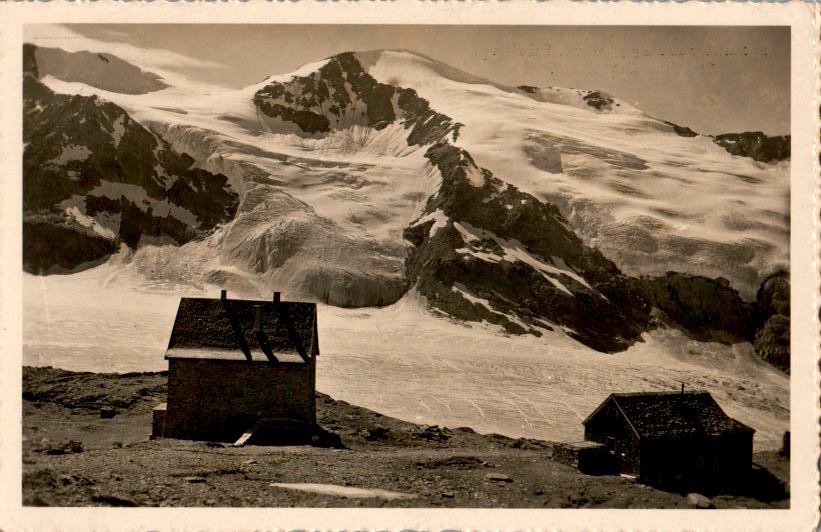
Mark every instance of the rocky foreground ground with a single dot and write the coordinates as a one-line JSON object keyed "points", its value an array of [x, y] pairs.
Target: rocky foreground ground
{"points": [[73, 456]]}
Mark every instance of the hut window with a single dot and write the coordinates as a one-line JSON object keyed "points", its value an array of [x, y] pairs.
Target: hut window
{"points": [[611, 412]]}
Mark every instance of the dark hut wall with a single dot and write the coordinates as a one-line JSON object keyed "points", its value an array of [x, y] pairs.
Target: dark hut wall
{"points": [[219, 399], [698, 458], [609, 422]]}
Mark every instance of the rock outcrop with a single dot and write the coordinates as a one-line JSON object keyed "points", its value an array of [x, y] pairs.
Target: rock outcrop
{"points": [[772, 339], [707, 309], [756, 145], [97, 178]]}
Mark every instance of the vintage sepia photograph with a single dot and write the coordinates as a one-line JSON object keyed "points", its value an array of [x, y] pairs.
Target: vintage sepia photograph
{"points": [[406, 266]]}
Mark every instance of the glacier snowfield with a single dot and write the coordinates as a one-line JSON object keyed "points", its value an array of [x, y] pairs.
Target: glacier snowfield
{"points": [[404, 362]]}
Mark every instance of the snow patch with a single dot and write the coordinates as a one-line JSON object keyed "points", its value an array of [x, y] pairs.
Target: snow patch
{"points": [[348, 492], [87, 221], [475, 176], [118, 130], [72, 152], [138, 195], [439, 218]]}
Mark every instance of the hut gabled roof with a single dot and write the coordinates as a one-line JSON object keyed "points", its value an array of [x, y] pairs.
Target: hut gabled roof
{"points": [[672, 413], [226, 328]]}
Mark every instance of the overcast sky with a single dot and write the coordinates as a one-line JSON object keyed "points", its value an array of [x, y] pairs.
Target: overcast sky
{"points": [[713, 79]]}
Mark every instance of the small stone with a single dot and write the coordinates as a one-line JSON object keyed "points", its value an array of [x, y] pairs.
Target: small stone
{"points": [[194, 480], [499, 477], [66, 447], [249, 462], [377, 433], [113, 500], [697, 500], [448, 494]]}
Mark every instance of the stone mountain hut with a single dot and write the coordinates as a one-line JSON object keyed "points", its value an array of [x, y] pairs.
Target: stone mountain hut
{"points": [[240, 369], [672, 438]]}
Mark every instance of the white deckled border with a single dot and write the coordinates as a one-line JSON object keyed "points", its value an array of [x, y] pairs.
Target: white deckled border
{"points": [[804, 400]]}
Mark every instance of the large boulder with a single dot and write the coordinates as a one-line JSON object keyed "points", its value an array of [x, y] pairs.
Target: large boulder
{"points": [[705, 309]]}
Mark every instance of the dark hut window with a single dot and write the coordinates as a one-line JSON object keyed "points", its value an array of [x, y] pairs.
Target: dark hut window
{"points": [[611, 412]]}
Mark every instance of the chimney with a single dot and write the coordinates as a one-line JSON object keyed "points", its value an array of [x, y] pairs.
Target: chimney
{"points": [[682, 389], [276, 298], [223, 294]]}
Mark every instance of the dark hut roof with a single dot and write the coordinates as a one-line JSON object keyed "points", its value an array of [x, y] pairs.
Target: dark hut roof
{"points": [[673, 413], [203, 328]]}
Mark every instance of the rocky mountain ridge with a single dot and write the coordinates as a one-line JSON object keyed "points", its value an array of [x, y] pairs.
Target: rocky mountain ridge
{"points": [[485, 251], [94, 178], [753, 144]]}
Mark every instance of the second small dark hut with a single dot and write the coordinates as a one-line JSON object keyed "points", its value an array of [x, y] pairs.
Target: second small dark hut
{"points": [[672, 438]]}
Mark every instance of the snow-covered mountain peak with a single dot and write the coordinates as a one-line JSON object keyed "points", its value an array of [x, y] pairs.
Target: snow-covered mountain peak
{"points": [[366, 174], [408, 68]]}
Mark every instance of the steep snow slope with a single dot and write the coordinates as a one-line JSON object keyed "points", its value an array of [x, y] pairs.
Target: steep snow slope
{"points": [[649, 199], [364, 185], [101, 70]]}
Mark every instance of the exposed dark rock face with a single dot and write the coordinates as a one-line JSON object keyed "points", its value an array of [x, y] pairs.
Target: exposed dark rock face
{"points": [[708, 309], [756, 145], [51, 244], [599, 100], [483, 276], [322, 101], [94, 174], [774, 295], [681, 131], [311, 102]]}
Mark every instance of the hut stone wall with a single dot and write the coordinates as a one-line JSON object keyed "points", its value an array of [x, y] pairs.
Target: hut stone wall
{"points": [[611, 429], [220, 399], [717, 459]]}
